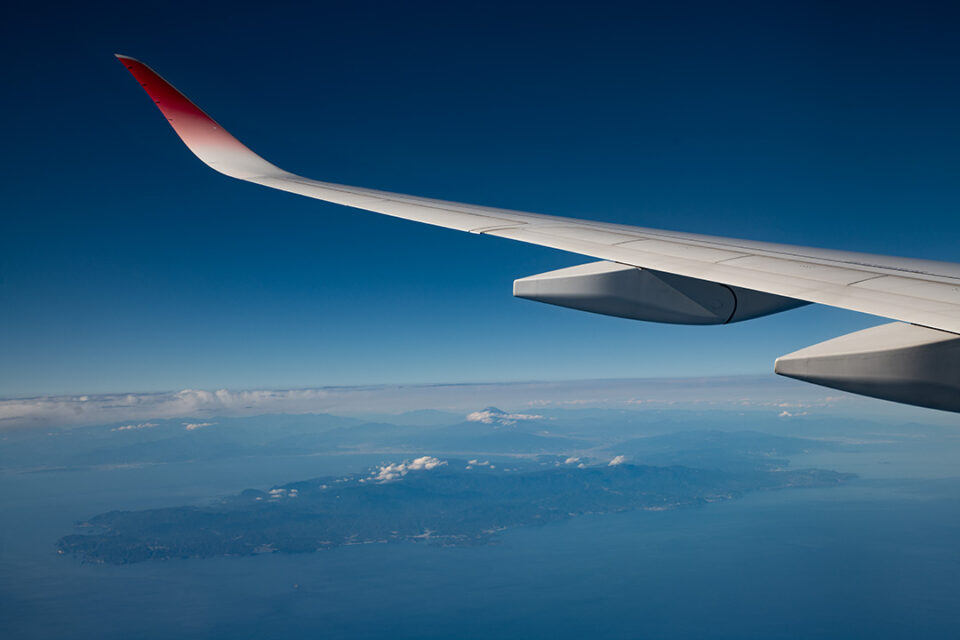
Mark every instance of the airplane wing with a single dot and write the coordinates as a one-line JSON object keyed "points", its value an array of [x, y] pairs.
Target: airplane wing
{"points": [[669, 276]]}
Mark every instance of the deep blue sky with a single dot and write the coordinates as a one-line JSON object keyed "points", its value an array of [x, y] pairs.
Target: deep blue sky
{"points": [[128, 265]]}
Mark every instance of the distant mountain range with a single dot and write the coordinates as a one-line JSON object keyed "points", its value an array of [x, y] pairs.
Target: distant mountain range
{"points": [[647, 437]]}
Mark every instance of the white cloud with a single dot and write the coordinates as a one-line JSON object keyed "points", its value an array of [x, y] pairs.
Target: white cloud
{"points": [[571, 460], [191, 426], [617, 461], [131, 427], [388, 472], [496, 416]]}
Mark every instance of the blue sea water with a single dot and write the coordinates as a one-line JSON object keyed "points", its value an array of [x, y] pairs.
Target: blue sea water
{"points": [[874, 559]]}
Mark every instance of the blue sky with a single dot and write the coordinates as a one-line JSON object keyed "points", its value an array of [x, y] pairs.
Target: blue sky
{"points": [[126, 265]]}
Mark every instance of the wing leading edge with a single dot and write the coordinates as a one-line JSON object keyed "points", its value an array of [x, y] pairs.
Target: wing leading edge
{"points": [[918, 292]]}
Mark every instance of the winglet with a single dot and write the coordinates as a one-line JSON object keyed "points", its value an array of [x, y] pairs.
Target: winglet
{"points": [[203, 136]]}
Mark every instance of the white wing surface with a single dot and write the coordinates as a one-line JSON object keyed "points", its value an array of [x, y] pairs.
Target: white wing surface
{"points": [[918, 292]]}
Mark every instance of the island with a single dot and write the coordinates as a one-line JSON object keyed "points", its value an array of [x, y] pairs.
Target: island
{"points": [[425, 500]]}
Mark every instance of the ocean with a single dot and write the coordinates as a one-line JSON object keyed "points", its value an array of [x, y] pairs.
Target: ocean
{"points": [[876, 558]]}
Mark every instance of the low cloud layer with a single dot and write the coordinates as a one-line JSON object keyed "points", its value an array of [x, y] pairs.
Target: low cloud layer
{"points": [[69, 410], [529, 400]]}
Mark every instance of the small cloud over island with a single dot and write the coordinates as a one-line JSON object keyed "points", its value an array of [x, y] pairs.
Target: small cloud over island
{"points": [[395, 471], [492, 415], [132, 427], [191, 426]]}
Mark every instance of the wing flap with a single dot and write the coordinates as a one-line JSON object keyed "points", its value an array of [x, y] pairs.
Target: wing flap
{"points": [[696, 252], [812, 271]]}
